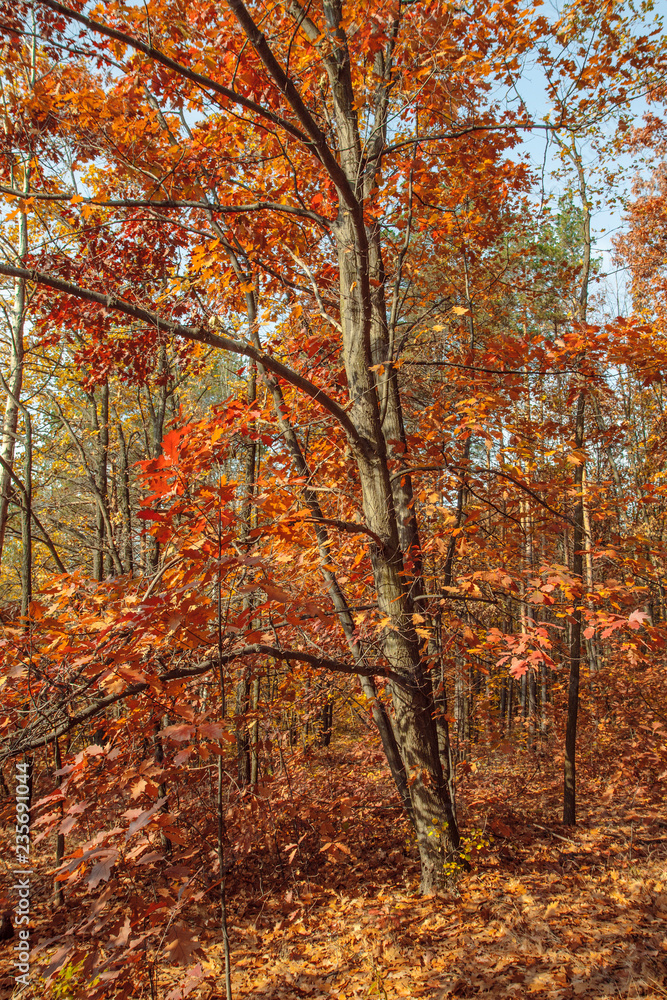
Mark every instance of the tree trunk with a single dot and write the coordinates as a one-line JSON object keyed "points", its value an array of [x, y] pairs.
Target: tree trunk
{"points": [[26, 518], [578, 531], [569, 767], [125, 503], [326, 722], [100, 424], [254, 734], [158, 408], [58, 897], [14, 382], [444, 737], [373, 420], [243, 734], [158, 757], [545, 698]]}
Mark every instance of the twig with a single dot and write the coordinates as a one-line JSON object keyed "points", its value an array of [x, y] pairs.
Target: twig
{"points": [[557, 835]]}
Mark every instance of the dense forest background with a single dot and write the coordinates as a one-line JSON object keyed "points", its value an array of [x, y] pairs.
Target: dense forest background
{"points": [[332, 497]]}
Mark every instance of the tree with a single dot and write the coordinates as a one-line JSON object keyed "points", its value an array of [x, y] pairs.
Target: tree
{"points": [[278, 189]]}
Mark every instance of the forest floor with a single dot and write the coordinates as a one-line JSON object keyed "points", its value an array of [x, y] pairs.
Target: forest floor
{"points": [[546, 911]]}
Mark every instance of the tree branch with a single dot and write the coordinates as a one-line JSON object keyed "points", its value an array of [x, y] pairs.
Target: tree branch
{"points": [[47, 538], [258, 206], [349, 526], [316, 138], [479, 471], [173, 64], [37, 736], [199, 334], [470, 130]]}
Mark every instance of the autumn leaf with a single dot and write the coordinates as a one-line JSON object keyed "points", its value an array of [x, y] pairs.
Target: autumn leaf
{"points": [[144, 818], [190, 983], [180, 944], [276, 593], [101, 870]]}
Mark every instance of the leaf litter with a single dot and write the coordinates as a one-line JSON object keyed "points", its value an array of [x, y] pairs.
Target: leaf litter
{"points": [[546, 911]]}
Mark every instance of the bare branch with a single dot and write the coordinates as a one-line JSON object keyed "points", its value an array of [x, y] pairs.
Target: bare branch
{"points": [[349, 526], [316, 292]]}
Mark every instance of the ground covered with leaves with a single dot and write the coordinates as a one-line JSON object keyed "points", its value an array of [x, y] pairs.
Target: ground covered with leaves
{"points": [[323, 902]]}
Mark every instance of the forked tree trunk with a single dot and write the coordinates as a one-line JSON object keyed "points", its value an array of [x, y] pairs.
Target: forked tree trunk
{"points": [[413, 701], [373, 417]]}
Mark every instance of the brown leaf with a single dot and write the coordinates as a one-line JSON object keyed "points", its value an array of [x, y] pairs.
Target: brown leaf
{"points": [[141, 821], [499, 828], [101, 870], [180, 944]]}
